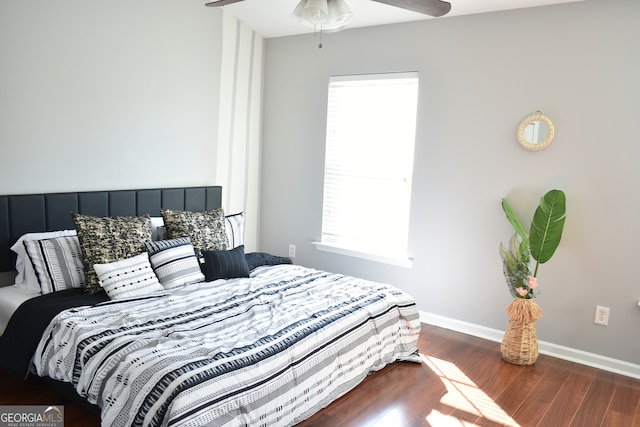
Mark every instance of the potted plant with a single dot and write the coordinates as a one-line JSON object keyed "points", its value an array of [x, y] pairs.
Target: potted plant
{"points": [[520, 342]]}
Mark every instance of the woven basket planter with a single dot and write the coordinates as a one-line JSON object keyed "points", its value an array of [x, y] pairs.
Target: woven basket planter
{"points": [[520, 343]]}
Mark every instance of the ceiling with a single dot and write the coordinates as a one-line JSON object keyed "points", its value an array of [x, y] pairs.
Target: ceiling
{"points": [[272, 18]]}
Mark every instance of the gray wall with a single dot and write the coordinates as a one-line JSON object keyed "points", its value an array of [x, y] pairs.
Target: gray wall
{"points": [[107, 95], [480, 76]]}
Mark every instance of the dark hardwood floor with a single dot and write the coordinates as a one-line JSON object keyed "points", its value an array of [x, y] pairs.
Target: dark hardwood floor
{"points": [[462, 382]]}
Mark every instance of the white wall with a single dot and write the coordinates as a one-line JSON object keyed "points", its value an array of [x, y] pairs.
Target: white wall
{"points": [[239, 131], [477, 84], [108, 95]]}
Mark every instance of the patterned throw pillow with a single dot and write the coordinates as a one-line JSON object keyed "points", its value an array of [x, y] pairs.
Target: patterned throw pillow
{"points": [[225, 264], [107, 239], [131, 277], [174, 262], [57, 263], [235, 229], [206, 230]]}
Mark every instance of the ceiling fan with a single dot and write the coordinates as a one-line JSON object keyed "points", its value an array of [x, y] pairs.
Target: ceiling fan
{"points": [[433, 8]]}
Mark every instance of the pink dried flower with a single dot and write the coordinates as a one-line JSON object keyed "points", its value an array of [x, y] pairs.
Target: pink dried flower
{"points": [[533, 282], [522, 291]]}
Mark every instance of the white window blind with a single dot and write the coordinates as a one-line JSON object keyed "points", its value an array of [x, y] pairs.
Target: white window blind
{"points": [[371, 122]]}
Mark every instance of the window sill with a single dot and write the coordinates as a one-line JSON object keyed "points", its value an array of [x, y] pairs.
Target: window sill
{"points": [[398, 261]]}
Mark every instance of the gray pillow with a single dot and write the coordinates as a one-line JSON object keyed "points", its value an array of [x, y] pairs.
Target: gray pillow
{"points": [[225, 264]]}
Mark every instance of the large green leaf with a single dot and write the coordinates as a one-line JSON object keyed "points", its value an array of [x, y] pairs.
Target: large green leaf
{"points": [[513, 219], [547, 226]]}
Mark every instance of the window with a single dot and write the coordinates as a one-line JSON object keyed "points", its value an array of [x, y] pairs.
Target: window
{"points": [[371, 122]]}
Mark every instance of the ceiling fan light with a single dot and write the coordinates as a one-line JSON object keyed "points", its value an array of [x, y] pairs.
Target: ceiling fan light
{"points": [[316, 12], [297, 12], [339, 13], [323, 15]]}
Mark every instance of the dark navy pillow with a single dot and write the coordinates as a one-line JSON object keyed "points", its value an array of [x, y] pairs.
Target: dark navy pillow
{"points": [[225, 264]]}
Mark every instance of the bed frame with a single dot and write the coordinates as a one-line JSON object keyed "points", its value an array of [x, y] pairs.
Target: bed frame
{"points": [[29, 213]]}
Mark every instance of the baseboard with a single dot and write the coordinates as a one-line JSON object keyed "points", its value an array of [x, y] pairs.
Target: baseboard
{"points": [[578, 356]]}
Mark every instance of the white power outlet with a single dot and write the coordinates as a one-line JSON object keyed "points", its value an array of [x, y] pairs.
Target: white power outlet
{"points": [[292, 251], [602, 316]]}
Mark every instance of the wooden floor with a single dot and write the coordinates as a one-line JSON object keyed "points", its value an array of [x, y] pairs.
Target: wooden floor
{"points": [[462, 382]]}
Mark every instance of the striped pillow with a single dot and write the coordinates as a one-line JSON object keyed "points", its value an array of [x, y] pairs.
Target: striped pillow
{"points": [[131, 277], [57, 262], [174, 262]]}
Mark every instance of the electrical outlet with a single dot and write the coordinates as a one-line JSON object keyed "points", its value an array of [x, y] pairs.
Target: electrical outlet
{"points": [[292, 251], [602, 316]]}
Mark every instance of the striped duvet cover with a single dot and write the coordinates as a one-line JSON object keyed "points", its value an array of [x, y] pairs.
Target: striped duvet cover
{"points": [[271, 349]]}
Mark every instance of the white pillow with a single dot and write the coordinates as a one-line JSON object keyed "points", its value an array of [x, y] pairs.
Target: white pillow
{"points": [[27, 280], [57, 263], [131, 277], [158, 231], [235, 229]]}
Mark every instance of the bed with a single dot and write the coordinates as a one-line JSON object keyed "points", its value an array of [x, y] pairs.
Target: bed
{"points": [[243, 339]]}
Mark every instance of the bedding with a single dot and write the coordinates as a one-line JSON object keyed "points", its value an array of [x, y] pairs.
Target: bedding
{"points": [[269, 349], [28, 322], [10, 299]]}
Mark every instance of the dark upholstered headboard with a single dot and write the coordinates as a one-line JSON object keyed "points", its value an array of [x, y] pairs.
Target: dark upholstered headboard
{"points": [[30, 213]]}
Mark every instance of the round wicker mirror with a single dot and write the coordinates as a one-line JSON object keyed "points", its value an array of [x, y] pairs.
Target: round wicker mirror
{"points": [[536, 132]]}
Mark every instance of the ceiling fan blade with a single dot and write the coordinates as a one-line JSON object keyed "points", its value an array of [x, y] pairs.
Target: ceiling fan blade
{"points": [[428, 7], [217, 3]]}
